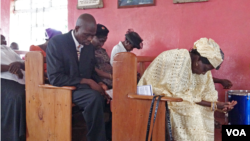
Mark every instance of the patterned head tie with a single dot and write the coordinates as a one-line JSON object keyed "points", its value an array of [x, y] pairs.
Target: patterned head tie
{"points": [[209, 49]]}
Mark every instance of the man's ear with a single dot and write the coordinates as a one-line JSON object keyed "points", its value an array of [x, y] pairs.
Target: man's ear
{"points": [[77, 28]]}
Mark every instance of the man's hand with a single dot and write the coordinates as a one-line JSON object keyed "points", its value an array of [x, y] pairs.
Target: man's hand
{"points": [[93, 85], [104, 86], [227, 84], [100, 87]]}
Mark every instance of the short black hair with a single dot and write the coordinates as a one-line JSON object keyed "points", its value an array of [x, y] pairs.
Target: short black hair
{"points": [[134, 39], [204, 60]]}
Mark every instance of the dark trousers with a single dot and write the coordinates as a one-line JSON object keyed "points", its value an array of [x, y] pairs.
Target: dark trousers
{"points": [[91, 103], [13, 125]]}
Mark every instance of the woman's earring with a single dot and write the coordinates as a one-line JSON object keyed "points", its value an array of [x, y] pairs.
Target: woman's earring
{"points": [[196, 64]]}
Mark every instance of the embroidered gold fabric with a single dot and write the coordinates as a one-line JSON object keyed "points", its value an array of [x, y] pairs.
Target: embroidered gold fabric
{"points": [[170, 74]]}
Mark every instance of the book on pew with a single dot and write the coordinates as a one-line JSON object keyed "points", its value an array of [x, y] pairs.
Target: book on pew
{"points": [[145, 90], [141, 90], [110, 93]]}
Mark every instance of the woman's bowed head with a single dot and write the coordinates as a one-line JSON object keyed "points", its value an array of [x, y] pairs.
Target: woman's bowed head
{"points": [[206, 55]]}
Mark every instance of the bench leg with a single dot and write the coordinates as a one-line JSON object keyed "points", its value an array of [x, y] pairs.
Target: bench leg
{"points": [[168, 134]]}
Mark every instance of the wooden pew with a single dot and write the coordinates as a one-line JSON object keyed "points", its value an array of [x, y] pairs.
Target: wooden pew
{"points": [[48, 108], [142, 60], [129, 110], [21, 52]]}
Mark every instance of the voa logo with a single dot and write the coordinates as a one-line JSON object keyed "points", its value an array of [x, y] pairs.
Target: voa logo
{"points": [[236, 132]]}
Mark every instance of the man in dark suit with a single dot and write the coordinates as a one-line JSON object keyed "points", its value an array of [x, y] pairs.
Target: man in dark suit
{"points": [[66, 67]]}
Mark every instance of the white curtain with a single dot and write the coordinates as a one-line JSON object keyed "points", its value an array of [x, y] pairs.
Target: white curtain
{"points": [[30, 18]]}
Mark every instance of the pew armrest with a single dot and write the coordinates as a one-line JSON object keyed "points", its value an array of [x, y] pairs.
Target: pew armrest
{"points": [[54, 87], [145, 97]]}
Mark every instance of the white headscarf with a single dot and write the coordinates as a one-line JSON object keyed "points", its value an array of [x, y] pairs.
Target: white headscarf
{"points": [[209, 49]]}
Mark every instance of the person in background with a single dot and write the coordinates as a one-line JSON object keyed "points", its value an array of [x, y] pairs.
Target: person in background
{"points": [[14, 46], [65, 68], [3, 40], [49, 33], [184, 74], [132, 40], [103, 67], [13, 125]]}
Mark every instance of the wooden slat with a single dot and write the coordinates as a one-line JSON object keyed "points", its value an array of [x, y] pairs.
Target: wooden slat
{"points": [[34, 107], [47, 86], [21, 52], [145, 58], [145, 97]]}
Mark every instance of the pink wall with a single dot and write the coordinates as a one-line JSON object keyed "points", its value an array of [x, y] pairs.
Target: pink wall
{"points": [[167, 26], [5, 18]]}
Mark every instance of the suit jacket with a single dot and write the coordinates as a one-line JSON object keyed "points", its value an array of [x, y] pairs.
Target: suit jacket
{"points": [[63, 67]]}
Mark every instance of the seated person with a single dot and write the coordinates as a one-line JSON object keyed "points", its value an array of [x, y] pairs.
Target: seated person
{"points": [[103, 67], [14, 46], [2, 40], [49, 33], [184, 74], [64, 68], [132, 40], [13, 126]]}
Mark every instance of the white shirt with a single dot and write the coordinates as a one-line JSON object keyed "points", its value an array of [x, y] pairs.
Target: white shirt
{"points": [[116, 49], [8, 56], [78, 46]]}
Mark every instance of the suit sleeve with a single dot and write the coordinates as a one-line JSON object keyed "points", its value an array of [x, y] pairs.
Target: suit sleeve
{"points": [[95, 76], [56, 67]]}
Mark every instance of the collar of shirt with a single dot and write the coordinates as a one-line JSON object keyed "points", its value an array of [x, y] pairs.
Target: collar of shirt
{"points": [[78, 46], [123, 49]]}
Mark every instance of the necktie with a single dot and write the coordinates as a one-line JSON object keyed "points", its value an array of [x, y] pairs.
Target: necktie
{"points": [[78, 52]]}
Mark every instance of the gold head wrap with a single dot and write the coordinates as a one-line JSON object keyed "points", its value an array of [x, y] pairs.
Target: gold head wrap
{"points": [[209, 49]]}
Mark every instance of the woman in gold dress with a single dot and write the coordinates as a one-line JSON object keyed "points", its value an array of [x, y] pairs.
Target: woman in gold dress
{"points": [[180, 73]]}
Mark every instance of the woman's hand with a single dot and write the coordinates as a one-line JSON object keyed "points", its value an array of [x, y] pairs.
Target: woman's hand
{"points": [[227, 84], [19, 74], [15, 68], [226, 106], [105, 87]]}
